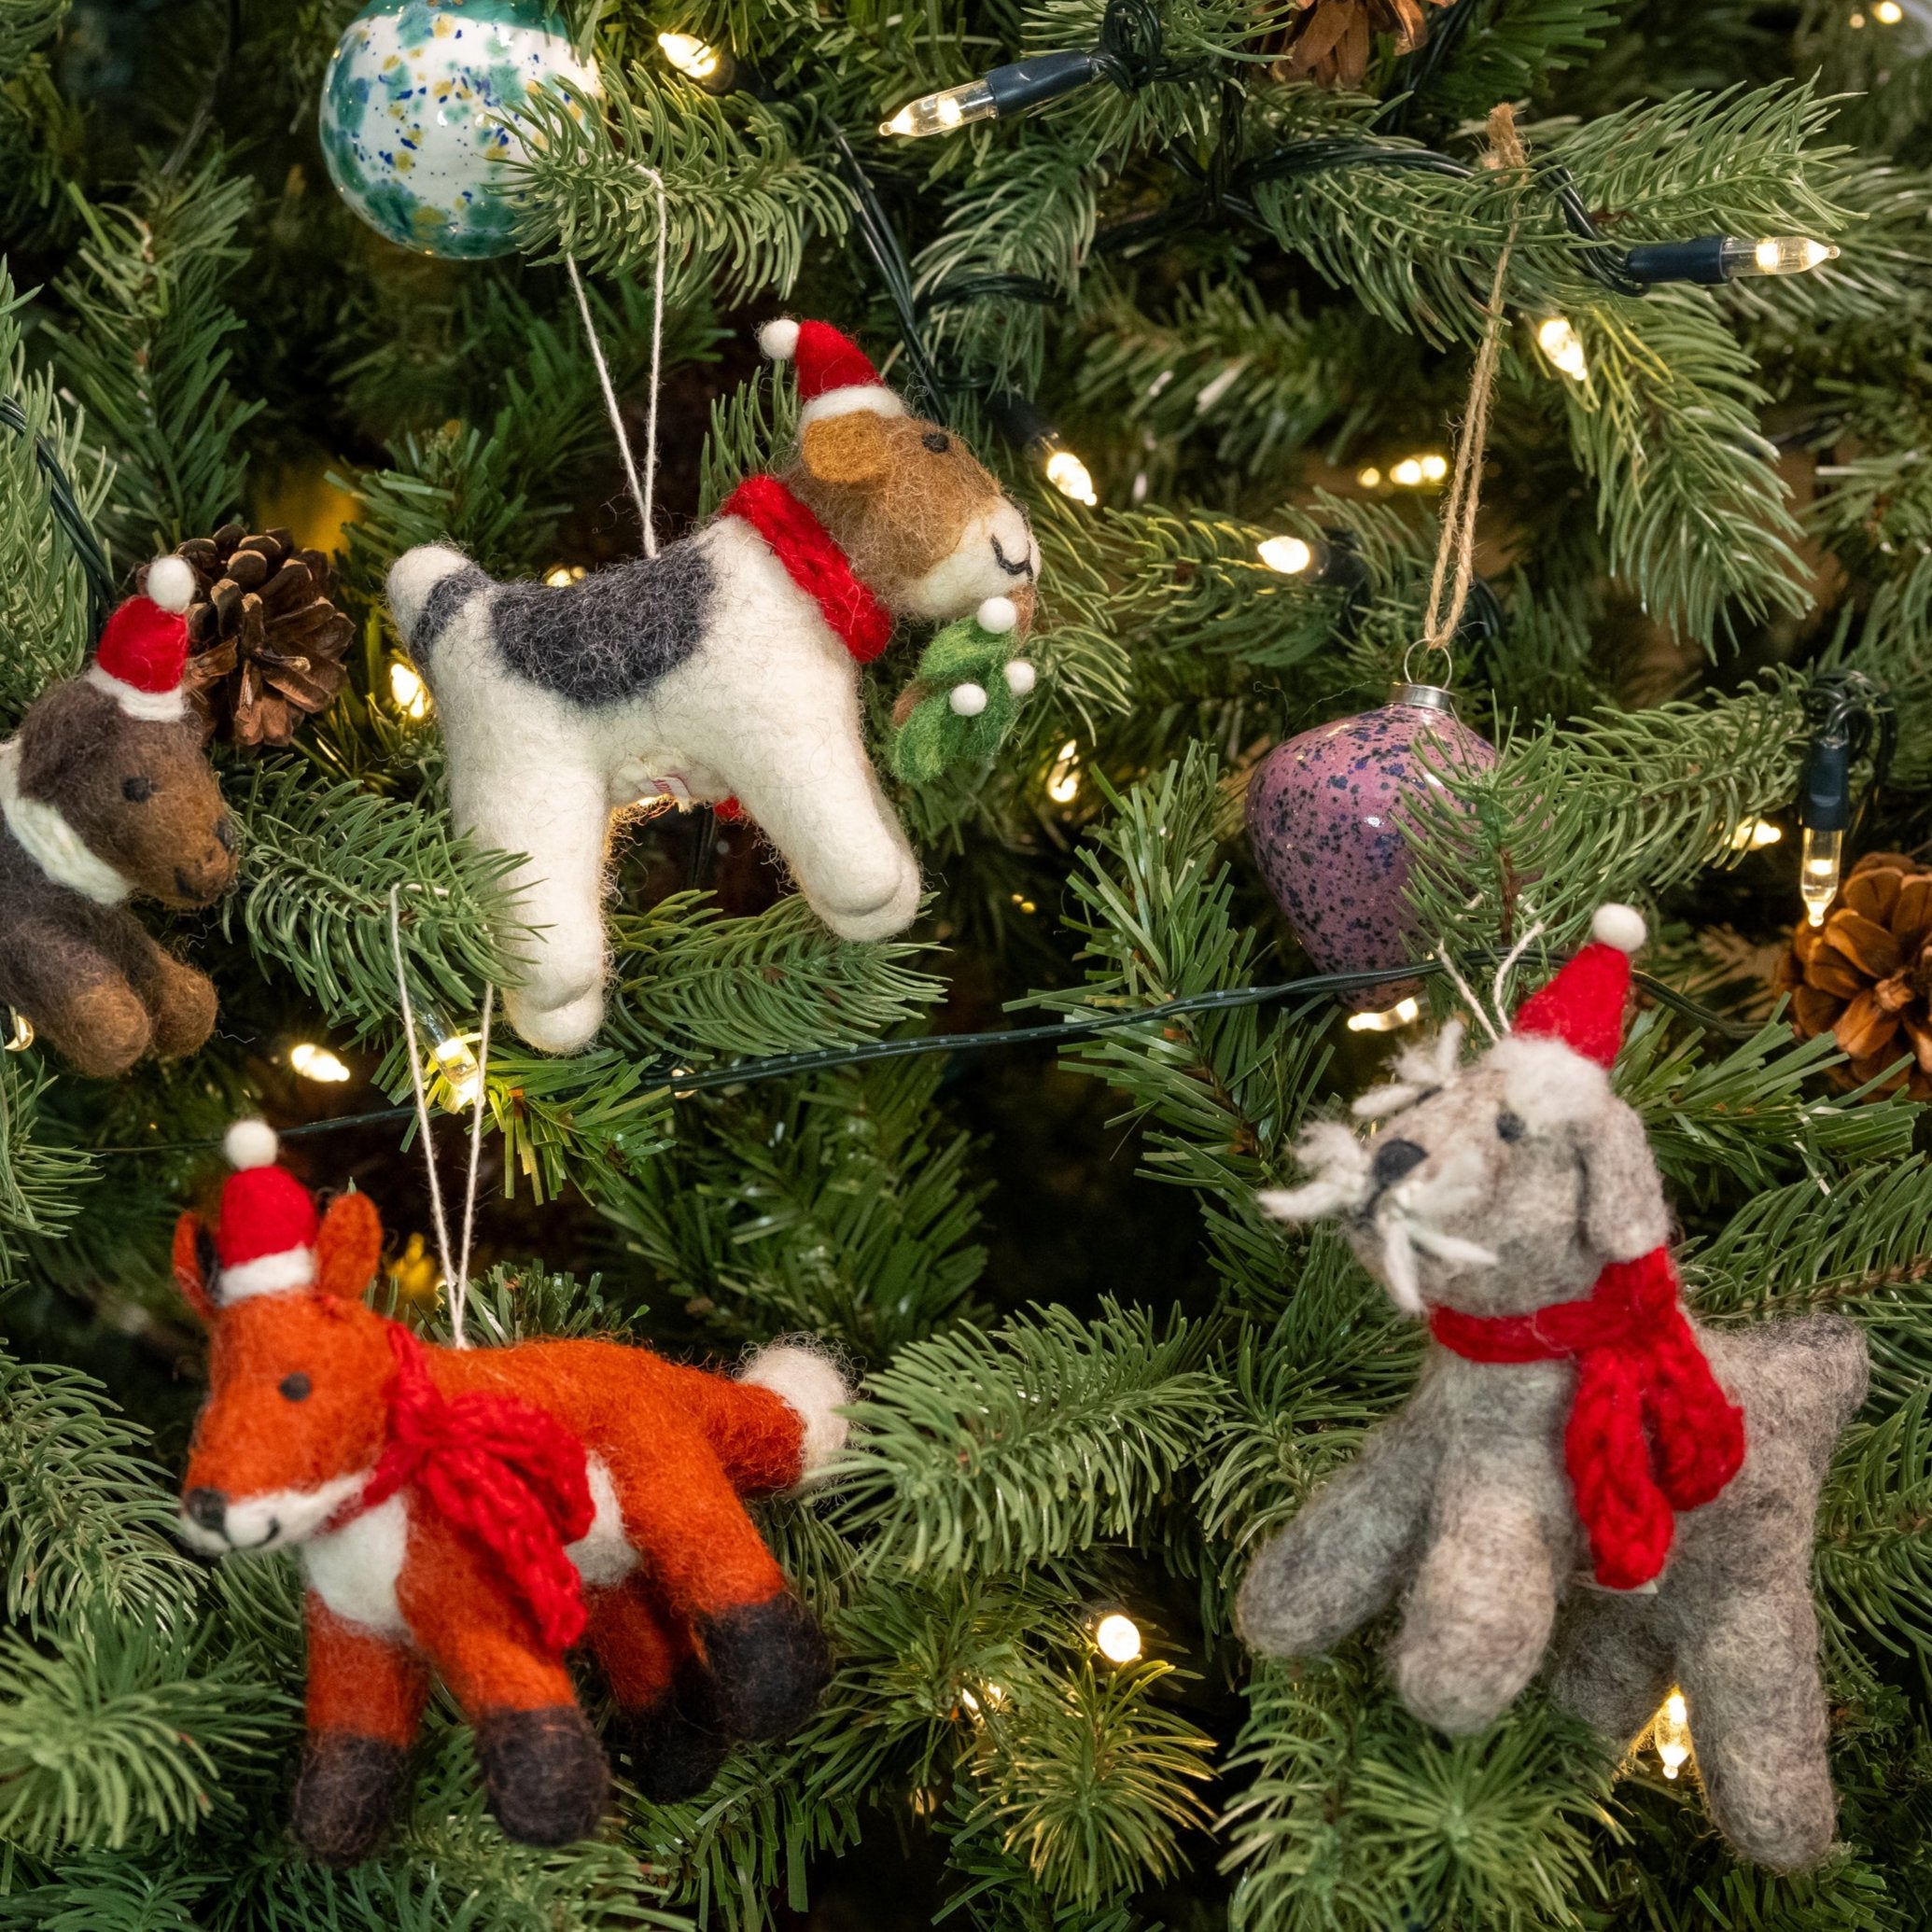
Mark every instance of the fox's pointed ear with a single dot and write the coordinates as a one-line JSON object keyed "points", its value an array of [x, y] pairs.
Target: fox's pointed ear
{"points": [[348, 1247], [194, 1266]]}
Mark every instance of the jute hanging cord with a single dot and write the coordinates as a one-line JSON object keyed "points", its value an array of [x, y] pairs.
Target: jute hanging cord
{"points": [[1455, 554]]}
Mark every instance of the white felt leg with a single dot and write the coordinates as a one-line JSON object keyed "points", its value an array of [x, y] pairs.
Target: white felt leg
{"points": [[562, 822], [844, 847]]}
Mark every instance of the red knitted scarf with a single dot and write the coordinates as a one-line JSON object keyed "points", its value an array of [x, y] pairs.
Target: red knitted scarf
{"points": [[503, 1473], [813, 562], [1650, 1431]]}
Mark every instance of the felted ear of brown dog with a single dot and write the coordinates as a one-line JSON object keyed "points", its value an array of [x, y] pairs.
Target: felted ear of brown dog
{"points": [[137, 790]]}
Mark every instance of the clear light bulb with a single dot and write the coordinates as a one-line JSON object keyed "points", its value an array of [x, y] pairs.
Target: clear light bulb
{"points": [[941, 113], [1888, 13], [1370, 479], [695, 59], [1820, 861], [1753, 834], [1289, 555], [1776, 254], [1063, 781], [1404, 1012], [454, 1060], [407, 688], [317, 1063], [1434, 468], [20, 1034], [1118, 1638], [1670, 1731], [1558, 339], [1408, 472], [1071, 477]]}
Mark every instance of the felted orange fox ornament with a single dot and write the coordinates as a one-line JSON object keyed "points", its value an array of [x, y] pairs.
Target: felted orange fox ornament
{"points": [[478, 1512]]}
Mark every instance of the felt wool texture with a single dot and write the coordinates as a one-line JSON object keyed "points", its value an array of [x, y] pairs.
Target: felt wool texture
{"points": [[1515, 1202], [930, 733], [425, 1488], [561, 706], [106, 800]]}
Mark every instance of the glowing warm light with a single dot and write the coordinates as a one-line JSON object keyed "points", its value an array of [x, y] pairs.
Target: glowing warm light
{"points": [[1370, 479], [407, 688], [1670, 1731], [1118, 1638], [1408, 472], [1888, 13], [692, 57], [1404, 1012], [1434, 468], [1776, 255], [317, 1063], [924, 1802], [1290, 555], [457, 1065], [1820, 858], [1063, 781], [1069, 475], [20, 1034], [941, 113], [1559, 341], [1752, 834], [558, 575]]}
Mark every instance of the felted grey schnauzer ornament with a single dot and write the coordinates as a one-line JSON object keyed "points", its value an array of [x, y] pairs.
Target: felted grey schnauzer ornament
{"points": [[1580, 1464]]}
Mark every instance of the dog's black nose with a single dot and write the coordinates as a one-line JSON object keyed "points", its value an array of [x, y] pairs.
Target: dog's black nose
{"points": [[225, 832], [1394, 1159], [207, 1507]]}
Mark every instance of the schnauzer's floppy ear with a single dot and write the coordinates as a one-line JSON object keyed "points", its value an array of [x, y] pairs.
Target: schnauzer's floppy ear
{"points": [[1623, 1205]]}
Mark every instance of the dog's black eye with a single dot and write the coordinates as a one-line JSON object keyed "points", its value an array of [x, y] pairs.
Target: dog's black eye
{"points": [[137, 790], [937, 440], [1511, 1127], [295, 1386]]}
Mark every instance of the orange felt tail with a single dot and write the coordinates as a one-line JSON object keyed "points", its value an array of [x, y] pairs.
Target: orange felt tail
{"points": [[757, 1434]]}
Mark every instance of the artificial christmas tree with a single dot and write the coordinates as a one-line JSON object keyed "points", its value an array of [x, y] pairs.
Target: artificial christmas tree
{"points": [[1238, 346]]}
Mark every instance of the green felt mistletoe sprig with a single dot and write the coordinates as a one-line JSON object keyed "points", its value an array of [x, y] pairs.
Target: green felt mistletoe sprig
{"points": [[964, 699]]}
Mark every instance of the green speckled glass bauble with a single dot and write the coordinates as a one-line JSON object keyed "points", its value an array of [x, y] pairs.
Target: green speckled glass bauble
{"points": [[408, 108]]}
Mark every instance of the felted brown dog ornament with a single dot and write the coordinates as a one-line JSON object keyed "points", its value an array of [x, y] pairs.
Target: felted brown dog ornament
{"points": [[1571, 1418], [478, 1512], [104, 793], [725, 666]]}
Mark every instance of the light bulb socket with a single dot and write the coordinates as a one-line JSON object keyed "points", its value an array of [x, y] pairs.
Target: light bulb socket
{"points": [[1700, 259], [1031, 83], [1824, 790], [1022, 422]]}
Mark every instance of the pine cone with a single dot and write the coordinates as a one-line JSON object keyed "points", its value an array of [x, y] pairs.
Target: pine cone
{"points": [[1865, 976], [265, 645], [1329, 41]]}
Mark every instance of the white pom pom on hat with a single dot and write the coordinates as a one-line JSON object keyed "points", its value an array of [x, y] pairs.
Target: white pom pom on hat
{"points": [[171, 583], [1621, 926], [779, 338], [250, 1143]]}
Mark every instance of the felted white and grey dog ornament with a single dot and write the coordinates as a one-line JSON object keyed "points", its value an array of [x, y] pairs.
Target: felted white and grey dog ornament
{"points": [[1571, 1418], [726, 666]]}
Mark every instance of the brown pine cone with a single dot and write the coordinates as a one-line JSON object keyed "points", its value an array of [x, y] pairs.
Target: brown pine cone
{"points": [[1329, 41], [265, 645], [1865, 975]]}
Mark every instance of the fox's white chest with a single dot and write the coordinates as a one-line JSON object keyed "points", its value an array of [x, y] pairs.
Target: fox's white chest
{"points": [[355, 1570]]}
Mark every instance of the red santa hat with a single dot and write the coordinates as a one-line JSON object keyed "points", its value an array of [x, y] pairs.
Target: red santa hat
{"points": [[266, 1241], [144, 648], [835, 373], [1583, 1005]]}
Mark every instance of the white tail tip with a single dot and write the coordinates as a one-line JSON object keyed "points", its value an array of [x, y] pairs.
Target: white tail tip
{"points": [[1621, 926], [779, 338], [250, 1143], [171, 583], [810, 1385]]}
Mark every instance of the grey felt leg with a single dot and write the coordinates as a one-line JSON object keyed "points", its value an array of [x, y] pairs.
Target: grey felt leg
{"points": [[1612, 1667], [1339, 1561], [1748, 1663], [1479, 1619]]}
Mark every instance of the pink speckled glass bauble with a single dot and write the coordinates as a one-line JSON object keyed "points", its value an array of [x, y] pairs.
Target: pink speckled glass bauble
{"points": [[1325, 819]]}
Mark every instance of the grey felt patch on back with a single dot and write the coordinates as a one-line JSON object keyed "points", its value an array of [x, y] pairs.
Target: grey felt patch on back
{"points": [[446, 598], [614, 635]]}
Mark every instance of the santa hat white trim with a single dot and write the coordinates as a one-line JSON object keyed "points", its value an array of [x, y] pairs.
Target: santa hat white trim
{"points": [[162, 706], [267, 1274], [875, 397], [52, 843]]}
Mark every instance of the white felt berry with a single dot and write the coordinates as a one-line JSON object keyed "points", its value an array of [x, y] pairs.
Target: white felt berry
{"points": [[998, 615], [1621, 926], [779, 338], [250, 1143], [171, 583], [967, 700], [1020, 676]]}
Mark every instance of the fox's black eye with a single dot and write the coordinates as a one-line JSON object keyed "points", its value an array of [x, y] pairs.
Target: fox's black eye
{"points": [[295, 1387], [1510, 1127], [937, 440], [137, 790]]}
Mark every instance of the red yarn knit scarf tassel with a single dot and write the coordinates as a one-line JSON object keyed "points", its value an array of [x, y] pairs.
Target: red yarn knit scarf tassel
{"points": [[813, 562], [1650, 1431], [503, 1473]]}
